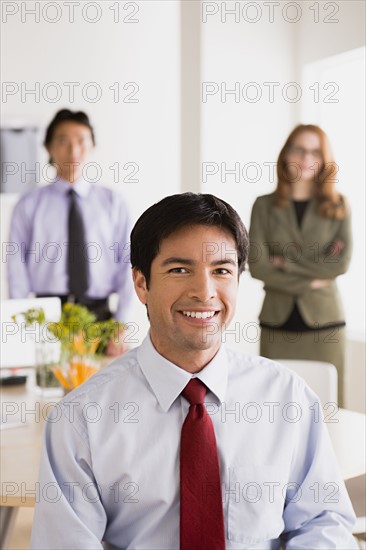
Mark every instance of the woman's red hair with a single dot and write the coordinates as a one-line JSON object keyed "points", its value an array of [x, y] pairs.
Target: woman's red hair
{"points": [[331, 203]]}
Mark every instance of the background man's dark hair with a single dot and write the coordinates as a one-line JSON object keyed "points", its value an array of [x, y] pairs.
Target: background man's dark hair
{"points": [[65, 115], [177, 211]]}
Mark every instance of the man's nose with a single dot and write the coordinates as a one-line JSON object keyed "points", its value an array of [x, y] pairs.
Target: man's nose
{"points": [[202, 287], [74, 149]]}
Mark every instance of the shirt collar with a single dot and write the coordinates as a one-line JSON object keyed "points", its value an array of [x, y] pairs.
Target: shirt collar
{"points": [[81, 186], [167, 380]]}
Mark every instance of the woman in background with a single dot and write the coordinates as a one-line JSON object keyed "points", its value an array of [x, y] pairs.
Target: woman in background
{"points": [[300, 242]]}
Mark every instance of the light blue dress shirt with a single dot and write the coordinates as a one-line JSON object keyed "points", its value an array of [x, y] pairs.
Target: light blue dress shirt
{"points": [[38, 243], [110, 462]]}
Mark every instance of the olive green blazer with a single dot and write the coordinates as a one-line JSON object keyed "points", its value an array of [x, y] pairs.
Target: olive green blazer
{"points": [[306, 250]]}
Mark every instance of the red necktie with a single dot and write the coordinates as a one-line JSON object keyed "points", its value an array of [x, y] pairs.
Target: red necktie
{"points": [[201, 511]]}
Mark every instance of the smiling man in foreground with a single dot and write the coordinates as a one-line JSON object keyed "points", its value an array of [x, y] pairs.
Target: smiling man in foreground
{"points": [[182, 443]]}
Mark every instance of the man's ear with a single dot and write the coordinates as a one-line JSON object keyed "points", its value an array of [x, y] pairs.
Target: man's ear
{"points": [[140, 285], [47, 147]]}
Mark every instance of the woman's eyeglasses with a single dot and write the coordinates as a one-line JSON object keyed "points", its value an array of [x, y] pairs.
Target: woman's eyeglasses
{"points": [[301, 152]]}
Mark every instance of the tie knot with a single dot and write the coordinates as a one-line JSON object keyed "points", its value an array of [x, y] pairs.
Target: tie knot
{"points": [[195, 392]]}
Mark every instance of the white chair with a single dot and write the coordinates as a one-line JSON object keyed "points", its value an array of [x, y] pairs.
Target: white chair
{"points": [[348, 435], [320, 376]]}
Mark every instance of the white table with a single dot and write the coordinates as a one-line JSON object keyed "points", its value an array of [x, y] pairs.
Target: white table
{"points": [[349, 441]]}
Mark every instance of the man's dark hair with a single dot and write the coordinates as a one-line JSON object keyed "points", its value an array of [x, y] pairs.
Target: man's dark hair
{"points": [[177, 211], [65, 115]]}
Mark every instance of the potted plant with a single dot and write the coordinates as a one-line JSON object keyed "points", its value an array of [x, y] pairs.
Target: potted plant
{"points": [[83, 342]]}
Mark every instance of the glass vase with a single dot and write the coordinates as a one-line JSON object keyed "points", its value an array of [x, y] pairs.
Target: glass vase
{"points": [[46, 358]]}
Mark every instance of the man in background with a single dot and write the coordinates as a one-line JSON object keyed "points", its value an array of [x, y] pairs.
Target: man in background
{"points": [[71, 238]]}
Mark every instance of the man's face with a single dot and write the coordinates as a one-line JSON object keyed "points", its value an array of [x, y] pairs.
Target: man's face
{"points": [[192, 291], [70, 149]]}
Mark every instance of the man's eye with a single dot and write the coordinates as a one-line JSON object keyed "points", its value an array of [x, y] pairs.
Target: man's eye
{"points": [[222, 271], [178, 270]]}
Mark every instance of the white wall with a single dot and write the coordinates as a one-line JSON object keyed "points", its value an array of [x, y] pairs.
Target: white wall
{"points": [[326, 49], [146, 53], [342, 116], [340, 27], [236, 130]]}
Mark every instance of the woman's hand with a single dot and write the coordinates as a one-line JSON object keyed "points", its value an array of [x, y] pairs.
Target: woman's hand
{"points": [[336, 247], [320, 283], [278, 261]]}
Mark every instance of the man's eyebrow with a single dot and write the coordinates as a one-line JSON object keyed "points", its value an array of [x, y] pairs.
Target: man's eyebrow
{"points": [[186, 261], [224, 261], [177, 260]]}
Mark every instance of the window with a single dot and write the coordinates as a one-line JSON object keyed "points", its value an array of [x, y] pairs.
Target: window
{"points": [[336, 104]]}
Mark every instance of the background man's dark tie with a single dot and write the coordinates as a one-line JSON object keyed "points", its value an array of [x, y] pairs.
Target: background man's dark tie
{"points": [[77, 263], [201, 510]]}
